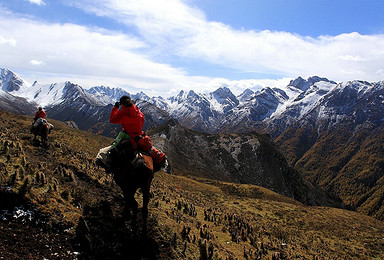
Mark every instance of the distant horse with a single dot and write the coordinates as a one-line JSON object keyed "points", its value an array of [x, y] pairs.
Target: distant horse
{"points": [[132, 170], [42, 131]]}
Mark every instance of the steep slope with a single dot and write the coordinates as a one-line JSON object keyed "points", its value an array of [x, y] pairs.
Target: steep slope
{"points": [[338, 145], [241, 158], [59, 205], [58, 196], [16, 104]]}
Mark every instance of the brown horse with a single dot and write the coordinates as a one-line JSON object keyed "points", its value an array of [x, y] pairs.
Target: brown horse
{"points": [[42, 131], [132, 170]]}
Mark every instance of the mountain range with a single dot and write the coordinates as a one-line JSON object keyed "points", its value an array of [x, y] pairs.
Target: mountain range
{"points": [[217, 112], [332, 133]]}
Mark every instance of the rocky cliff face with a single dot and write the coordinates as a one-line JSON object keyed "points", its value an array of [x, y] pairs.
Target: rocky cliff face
{"points": [[239, 158]]}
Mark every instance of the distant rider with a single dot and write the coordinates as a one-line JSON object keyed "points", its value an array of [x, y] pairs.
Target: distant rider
{"points": [[40, 114], [38, 120]]}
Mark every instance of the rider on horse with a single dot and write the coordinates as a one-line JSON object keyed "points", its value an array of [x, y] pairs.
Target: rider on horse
{"points": [[40, 114], [38, 119], [131, 158], [131, 119], [40, 125]]}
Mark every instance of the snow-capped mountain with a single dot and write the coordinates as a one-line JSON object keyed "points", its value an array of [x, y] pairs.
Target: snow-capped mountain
{"points": [[10, 82], [273, 109], [222, 111], [338, 144], [109, 95], [313, 90], [49, 95], [89, 109], [247, 94], [353, 102], [10, 86]]}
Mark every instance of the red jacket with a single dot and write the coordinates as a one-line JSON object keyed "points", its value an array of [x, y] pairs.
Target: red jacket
{"points": [[130, 118], [41, 114]]}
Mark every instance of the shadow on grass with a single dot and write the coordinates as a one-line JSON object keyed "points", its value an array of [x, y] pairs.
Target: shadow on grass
{"points": [[101, 235]]}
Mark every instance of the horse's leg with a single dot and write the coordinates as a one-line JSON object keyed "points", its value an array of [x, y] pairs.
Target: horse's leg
{"points": [[130, 202], [145, 208], [146, 191], [44, 136]]}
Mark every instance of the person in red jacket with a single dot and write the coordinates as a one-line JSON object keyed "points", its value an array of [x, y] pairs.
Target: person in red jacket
{"points": [[40, 114], [132, 120], [38, 120], [129, 116]]}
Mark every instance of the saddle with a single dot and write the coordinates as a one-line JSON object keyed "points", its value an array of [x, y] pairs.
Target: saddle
{"points": [[39, 124], [124, 154]]}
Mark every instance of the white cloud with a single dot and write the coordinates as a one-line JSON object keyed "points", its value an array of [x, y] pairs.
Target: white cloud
{"points": [[37, 2], [11, 42], [172, 29], [171, 25], [85, 53], [36, 62]]}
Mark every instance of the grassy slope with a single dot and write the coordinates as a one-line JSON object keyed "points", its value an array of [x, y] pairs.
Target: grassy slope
{"points": [[189, 218], [350, 165]]}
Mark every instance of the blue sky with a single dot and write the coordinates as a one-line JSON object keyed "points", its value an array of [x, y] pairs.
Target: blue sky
{"points": [[163, 46]]}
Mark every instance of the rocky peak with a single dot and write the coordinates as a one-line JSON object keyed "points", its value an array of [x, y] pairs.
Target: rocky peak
{"points": [[303, 84], [224, 96], [9, 81], [247, 94]]}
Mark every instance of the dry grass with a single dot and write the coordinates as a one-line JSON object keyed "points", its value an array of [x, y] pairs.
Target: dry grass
{"points": [[189, 218], [239, 225]]}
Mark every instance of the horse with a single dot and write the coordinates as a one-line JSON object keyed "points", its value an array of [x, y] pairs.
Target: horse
{"points": [[41, 130], [132, 170]]}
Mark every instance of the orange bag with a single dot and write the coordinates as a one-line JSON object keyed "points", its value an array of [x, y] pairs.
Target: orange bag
{"points": [[144, 142], [157, 156]]}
